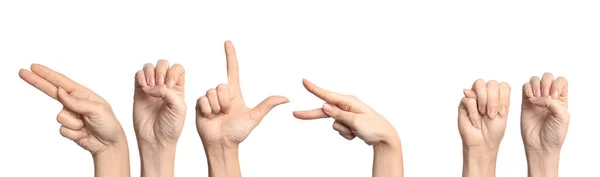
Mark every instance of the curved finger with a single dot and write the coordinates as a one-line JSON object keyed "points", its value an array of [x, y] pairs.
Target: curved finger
{"points": [[77, 105], [546, 83], [175, 76], [162, 66], [528, 90], [348, 137], [536, 86], [493, 94], [140, 79], [203, 106], [72, 134], [223, 97], [213, 100], [38, 82], [311, 114], [55, 78], [345, 117], [559, 87], [343, 129], [504, 99], [480, 88], [149, 73], [469, 93], [471, 106], [69, 119]]}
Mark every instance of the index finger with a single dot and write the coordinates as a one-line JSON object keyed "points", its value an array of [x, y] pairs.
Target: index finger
{"points": [[39, 83], [232, 67], [55, 78], [325, 95]]}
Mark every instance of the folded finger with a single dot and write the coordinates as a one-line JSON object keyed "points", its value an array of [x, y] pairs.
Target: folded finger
{"points": [[69, 119], [162, 66]]}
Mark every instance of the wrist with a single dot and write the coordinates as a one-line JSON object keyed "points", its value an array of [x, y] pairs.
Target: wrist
{"points": [[157, 160], [113, 161], [479, 162], [542, 163], [222, 160]]}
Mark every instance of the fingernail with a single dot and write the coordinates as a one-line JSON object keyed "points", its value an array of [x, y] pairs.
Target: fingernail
{"points": [[160, 80], [503, 110], [554, 93], [170, 82], [482, 109], [327, 107], [151, 80], [546, 91], [493, 112], [538, 93]]}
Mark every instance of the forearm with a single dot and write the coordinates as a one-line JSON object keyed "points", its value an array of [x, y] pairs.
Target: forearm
{"points": [[113, 162], [223, 161], [542, 164], [479, 163], [157, 161], [387, 159]]}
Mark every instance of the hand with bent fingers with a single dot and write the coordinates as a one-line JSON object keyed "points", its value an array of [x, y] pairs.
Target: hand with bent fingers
{"points": [[158, 113], [86, 118], [223, 120], [482, 119], [355, 119], [544, 122]]}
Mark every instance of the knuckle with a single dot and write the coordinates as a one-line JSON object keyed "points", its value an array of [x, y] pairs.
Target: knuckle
{"points": [[534, 78], [221, 87]]}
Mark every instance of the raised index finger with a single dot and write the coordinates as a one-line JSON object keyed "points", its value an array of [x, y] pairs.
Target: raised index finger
{"points": [[55, 78], [325, 95], [232, 68]]}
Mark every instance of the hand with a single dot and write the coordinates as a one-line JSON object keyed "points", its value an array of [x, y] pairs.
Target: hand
{"points": [[86, 118], [544, 114], [158, 106], [352, 117], [158, 116], [482, 116], [222, 118]]}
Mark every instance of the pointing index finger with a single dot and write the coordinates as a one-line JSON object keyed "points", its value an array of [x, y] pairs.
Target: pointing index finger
{"points": [[232, 67]]}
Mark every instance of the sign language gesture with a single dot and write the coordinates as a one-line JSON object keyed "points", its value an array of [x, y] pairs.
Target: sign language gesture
{"points": [[544, 114], [86, 118], [482, 116], [222, 118], [158, 107]]}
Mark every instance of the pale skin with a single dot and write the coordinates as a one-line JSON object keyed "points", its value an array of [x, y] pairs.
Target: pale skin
{"points": [[158, 115], [224, 121], [544, 123], [353, 119], [482, 117], [86, 118]]}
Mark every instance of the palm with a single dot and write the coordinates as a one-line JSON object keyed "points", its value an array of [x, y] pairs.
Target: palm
{"points": [[233, 127], [540, 127], [155, 120], [489, 135]]}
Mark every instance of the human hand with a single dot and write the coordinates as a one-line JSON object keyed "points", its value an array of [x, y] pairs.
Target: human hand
{"points": [[352, 117], [544, 123], [482, 116], [158, 107], [222, 118], [86, 118], [158, 115]]}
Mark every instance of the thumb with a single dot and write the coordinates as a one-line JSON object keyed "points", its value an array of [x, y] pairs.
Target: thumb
{"points": [[260, 110], [338, 114], [171, 97], [554, 106], [77, 105]]}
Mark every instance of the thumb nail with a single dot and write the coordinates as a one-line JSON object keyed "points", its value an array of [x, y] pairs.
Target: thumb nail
{"points": [[327, 107]]}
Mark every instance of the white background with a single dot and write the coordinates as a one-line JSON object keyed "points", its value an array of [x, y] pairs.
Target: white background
{"points": [[408, 60]]}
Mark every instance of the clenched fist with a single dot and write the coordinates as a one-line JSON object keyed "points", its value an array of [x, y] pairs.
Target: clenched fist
{"points": [[222, 118]]}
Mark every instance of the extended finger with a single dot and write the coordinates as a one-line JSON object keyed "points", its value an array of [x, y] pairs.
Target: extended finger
{"points": [[77, 105], [175, 76], [493, 94], [480, 88], [213, 100], [504, 99], [260, 110], [38, 82], [69, 119], [233, 76], [223, 97], [162, 66], [55, 78], [546, 83], [311, 114], [149, 72]]}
